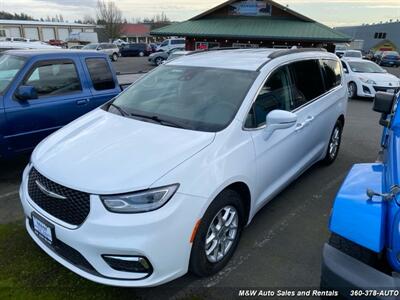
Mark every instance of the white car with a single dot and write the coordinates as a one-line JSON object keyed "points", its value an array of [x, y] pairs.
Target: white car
{"points": [[111, 50], [352, 54], [172, 43], [364, 78], [162, 179]]}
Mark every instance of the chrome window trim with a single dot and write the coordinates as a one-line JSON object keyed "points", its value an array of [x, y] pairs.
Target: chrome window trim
{"points": [[244, 128]]}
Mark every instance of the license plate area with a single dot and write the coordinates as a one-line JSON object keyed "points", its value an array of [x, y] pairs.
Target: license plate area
{"points": [[43, 229]]}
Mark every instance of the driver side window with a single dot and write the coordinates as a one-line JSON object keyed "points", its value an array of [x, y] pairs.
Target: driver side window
{"points": [[54, 78], [275, 94]]}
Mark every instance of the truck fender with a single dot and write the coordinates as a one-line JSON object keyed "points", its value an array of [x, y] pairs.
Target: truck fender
{"points": [[355, 216]]}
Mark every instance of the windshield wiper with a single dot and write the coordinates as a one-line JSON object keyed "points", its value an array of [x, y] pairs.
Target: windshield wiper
{"points": [[158, 120], [120, 109]]}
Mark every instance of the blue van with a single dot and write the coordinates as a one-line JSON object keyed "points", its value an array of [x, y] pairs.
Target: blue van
{"points": [[362, 257]]}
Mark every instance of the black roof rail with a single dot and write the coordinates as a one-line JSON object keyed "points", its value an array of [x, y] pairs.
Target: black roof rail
{"points": [[284, 52], [213, 49]]}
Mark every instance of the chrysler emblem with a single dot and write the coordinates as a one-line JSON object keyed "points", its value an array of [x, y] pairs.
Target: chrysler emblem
{"points": [[49, 193]]}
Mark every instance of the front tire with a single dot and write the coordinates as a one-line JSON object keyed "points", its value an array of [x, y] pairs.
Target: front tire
{"points": [[141, 53], [115, 57], [352, 90], [334, 144], [159, 61], [218, 234]]}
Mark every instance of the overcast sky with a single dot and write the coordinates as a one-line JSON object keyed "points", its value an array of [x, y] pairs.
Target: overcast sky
{"points": [[330, 12]]}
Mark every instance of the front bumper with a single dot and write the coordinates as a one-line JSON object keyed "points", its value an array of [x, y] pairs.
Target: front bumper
{"points": [[162, 236], [368, 90], [345, 274]]}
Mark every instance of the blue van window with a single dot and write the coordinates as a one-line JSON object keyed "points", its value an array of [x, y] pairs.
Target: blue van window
{"points": [[100, 74], [54, 79]]}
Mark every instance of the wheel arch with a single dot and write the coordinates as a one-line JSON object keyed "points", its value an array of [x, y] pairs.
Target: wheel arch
{"points": [[243, 190], [342, 120]]}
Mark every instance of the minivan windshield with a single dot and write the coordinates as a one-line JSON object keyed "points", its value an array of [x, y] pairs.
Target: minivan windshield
{"points": [[365, 67], [196, 98], [9, 67]]}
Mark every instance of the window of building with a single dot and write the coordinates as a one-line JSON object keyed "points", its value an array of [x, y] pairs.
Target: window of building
{"points": [[380, 35]]}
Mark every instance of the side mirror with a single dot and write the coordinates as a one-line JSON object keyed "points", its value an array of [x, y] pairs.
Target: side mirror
{"points": [[277, 120], [26, 92], [99, 48], [383, 103]]}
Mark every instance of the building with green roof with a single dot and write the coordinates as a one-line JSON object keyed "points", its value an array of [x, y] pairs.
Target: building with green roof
{"points": [[252, 23]]}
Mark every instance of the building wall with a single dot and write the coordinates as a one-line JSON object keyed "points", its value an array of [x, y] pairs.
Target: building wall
{"points": [[42, 32], [368, 33], [207, 43]]}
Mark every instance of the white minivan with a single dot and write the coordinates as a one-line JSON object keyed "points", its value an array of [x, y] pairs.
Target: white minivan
{"points": [[170, 44], [164, 178]]}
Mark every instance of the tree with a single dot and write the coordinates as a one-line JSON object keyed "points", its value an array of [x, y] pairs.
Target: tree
{"points": [[158, 21], [109, 15], [88, 19], [9, 16]]}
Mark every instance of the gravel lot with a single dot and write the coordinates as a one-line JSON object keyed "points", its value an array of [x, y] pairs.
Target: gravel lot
{"points": [[281, 248]]}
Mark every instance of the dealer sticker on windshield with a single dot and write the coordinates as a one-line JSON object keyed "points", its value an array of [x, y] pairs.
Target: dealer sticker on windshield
{"points": [[42, 230]]}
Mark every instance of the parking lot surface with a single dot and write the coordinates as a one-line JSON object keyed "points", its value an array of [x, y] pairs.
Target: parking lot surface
{"points": [[281, 248], [132, 65]]}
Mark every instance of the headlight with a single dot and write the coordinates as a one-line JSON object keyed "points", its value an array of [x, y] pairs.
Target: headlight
{"points": [[368, 81], [140, 202]]}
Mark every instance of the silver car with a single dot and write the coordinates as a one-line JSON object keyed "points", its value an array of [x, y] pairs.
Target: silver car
{"points": [[108, 48]]}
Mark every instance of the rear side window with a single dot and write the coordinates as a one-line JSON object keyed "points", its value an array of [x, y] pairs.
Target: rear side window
{"points": [[332, 73], [177, 42], [308, 83], [100, 74], [54, 78]]}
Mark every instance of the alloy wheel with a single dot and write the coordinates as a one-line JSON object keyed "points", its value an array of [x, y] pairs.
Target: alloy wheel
{"points": [[334, 143], [351, 90], [221, 234]]}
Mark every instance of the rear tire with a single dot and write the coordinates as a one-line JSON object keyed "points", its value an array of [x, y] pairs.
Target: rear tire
{"points": [[334, 144], [141, 53], [203, 260]]}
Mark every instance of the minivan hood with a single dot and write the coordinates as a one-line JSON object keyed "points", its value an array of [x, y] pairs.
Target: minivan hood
{"points": [[103, 153]]}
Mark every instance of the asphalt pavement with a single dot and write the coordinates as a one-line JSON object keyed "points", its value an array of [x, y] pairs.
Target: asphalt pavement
{"points": [[282, 246]]}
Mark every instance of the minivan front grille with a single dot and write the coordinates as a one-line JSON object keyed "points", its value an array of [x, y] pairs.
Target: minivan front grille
{"points": [[65, 204]]}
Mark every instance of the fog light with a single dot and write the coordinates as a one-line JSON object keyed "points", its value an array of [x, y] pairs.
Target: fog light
{"points": [[366, 90], [133, 264]]}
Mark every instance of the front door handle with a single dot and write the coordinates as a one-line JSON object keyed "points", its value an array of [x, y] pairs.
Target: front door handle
{"points": [[82, 102], [300, 126], [309, 120]]}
